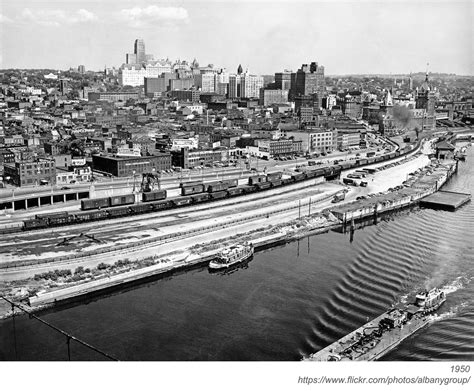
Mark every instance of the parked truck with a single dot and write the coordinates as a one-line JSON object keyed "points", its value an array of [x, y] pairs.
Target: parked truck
{"points": [[338, 197]]}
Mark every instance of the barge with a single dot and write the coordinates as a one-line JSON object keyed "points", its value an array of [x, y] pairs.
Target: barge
{"points": [[382, 334]]}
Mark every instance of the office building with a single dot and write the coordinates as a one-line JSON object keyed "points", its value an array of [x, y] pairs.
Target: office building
{"points": [[308, 80], [128, 166]]}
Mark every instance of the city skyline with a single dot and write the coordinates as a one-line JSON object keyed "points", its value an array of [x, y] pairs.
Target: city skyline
{"points": [[266, 37]]}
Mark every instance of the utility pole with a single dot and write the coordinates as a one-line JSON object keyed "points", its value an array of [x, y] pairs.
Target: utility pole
{"points": [[309, 207], [299, 209]]}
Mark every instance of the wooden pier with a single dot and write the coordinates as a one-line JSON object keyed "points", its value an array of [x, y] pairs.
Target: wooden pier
{"points": [[446, 200]]}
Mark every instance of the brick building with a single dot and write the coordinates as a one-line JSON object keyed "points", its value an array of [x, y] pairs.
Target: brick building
{"points": [[128, 166], [31, 172]]}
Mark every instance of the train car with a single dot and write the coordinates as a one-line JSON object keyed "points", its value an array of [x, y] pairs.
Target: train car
{"points": [[122, 200], [154, 196], [231, 183], [362, 162], [53, 215], [193, 189], [276, 183], [190, 183], [287, 181], [34, 224], [162, 205], [371, 160], [118, 212], [392, 155], [274, 176], [203, 197], [218, 195], [217, 186], [263, 185], [235, 191], [397, 153], [55, 221], [344, 165], [95, 203], [182, 201], [90, 216], [140, 208], [379, 159], [248, 189], [257, 179], [298, 177]]}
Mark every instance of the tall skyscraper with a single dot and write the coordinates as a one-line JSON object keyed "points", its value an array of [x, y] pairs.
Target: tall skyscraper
{"points": [[139, 50], [283, 80], [309, 80], [138, 56]]}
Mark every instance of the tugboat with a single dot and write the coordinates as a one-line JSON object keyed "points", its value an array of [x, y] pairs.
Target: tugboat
{"points": [[232, 255], [379, 336], [430, 301]]}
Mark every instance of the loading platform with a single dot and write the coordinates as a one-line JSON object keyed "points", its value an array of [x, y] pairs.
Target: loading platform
{"points": [[446, 200]]}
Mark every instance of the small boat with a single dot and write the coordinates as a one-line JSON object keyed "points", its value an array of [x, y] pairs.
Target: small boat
{"points": [[232, 255]]}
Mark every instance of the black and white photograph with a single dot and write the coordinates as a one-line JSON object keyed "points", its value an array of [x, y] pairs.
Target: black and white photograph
{"points": [[225, 194]]}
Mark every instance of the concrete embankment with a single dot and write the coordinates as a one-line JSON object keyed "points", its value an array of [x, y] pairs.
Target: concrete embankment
{"points": [[430, 181], [422, 186], [163, 267]]}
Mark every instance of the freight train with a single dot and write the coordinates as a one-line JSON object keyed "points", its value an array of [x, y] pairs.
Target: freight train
{"points": [[191, 193]]}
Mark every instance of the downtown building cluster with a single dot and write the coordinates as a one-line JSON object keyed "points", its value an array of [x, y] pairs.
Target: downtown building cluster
{"points": [[63, 127]]}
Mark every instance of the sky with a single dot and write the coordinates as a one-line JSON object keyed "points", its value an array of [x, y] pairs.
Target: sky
{"points": [[267, 36]]}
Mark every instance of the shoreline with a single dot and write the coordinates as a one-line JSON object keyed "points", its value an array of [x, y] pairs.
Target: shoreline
{"points": [[296, 229]]}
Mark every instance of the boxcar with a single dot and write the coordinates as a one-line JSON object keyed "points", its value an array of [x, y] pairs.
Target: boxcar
{"points": [[298, 177], [200, 197], [34, 223], [287, 181], [95, 203], [217, 186], [52, 215], [218, 195], [231, 182], [122, 200], [60, 220], [379, 159], [274, 175], [257, 179], [190, 183], [193, 189], [154, 196]]}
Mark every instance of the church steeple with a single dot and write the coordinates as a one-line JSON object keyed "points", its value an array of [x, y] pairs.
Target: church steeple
{"points": [[239, 69]]}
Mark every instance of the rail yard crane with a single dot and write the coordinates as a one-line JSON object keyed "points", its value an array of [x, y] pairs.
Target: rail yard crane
{"points": [[150, 182]]}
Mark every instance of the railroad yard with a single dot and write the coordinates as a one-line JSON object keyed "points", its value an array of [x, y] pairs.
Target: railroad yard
{"points": [[136, 241]]}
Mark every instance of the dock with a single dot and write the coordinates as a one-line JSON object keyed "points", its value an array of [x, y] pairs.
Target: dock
{"points": [[446, 200]]}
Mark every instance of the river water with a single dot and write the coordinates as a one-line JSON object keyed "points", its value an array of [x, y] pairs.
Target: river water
{"points": [[287, 302]]}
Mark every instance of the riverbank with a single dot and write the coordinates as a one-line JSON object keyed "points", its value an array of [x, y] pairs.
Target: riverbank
{"points": [[47, 286]]}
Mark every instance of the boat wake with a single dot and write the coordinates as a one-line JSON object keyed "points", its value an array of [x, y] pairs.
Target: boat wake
{"points": [[456, 285], [453, 311]]}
